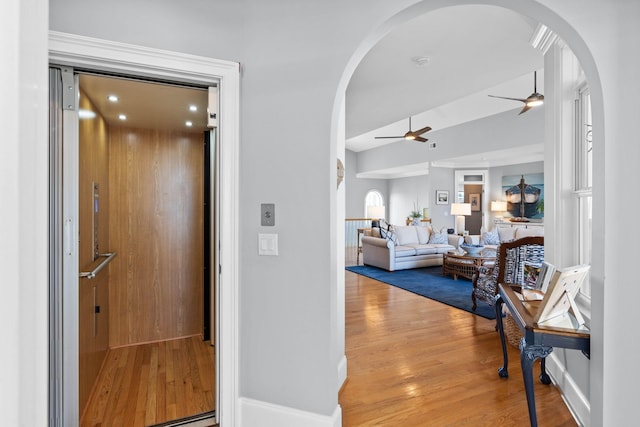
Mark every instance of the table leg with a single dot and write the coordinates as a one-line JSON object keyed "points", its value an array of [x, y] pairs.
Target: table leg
{"points": [[528, 355], [502, 372], [544, 377]]}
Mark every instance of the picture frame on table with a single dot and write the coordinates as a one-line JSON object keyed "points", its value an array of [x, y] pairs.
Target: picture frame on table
{"points": [[442, 197]]}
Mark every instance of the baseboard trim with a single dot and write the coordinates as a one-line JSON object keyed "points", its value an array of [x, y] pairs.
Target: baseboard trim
{"points": [[255, 413], [573, 397], [342, 372]]}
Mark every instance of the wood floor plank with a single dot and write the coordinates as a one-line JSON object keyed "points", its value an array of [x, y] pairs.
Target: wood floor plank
{"points": [[152, 389], [416, 362], [137, 386]]}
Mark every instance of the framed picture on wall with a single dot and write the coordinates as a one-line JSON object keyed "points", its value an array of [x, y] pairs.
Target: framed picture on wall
{"points": [[442, 197], [474, 201]]}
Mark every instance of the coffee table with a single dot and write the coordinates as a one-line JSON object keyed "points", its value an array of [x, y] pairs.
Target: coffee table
{"points": [[465, 265]]}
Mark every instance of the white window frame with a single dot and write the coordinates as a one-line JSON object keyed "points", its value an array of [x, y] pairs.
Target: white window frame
{"points": [[584, 179], [377, 194]]}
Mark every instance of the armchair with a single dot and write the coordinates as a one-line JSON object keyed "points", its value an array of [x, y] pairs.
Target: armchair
{"points": [[509, 267]]}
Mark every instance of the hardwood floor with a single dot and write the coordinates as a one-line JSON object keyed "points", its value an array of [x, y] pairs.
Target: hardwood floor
{"points": [[153, 383], [416, 362]]}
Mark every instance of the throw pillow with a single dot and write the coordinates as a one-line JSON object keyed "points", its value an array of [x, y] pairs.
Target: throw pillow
{"points": [[490, 238], [389, 234], [407, 234], [506, 234], [438, 238], [423, 234]]}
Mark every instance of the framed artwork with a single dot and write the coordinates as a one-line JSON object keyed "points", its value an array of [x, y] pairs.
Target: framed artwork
{"points": [[442, 197], [524, 195], [474, 201]]}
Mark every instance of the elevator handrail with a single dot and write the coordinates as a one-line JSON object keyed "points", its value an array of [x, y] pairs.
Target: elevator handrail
{"points": [[91, 274]]}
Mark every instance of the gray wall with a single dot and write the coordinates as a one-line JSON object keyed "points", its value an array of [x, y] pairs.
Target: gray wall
{"points": [[356, 189], [500, 131], [293, 68], [406, 195], [492, 133]]}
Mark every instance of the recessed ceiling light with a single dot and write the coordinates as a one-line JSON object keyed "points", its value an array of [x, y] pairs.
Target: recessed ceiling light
{"points": [[122, 117], [188, 123], [86, 114], [112, 98], [193, 108]]}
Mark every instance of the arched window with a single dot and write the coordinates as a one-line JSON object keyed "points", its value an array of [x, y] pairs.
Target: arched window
{"points": [[373, 199]]}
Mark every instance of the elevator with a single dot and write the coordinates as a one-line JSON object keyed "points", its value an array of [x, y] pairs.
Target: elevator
{"points": [[133, 212]]}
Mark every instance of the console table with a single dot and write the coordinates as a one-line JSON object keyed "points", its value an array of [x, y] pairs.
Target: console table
{"points": [[538, 340]]}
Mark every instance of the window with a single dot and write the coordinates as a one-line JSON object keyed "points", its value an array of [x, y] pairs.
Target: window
{"points": [[584, 178], [373, 198]]}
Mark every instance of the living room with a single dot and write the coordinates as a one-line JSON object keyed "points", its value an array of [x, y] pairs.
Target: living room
{"points": [[497, 140]]}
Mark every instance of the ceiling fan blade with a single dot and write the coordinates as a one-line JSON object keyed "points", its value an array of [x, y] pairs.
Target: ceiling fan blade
{"points": [[512, 99], [420, 139], [421, 131], [410, 135], [525, 109]]}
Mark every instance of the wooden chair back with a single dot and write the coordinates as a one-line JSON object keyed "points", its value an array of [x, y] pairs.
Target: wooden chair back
{"points": [[513, 244]]}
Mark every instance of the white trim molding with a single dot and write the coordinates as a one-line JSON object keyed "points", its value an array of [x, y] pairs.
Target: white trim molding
{"points": [[342, 371], [573, 397], [256, 413], [96, 54]]}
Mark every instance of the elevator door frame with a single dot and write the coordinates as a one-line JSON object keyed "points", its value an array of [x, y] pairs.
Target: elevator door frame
{"points": [[94, 54]]}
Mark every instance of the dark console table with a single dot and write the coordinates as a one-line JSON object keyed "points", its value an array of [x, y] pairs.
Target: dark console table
{"points": [[538, 340]]}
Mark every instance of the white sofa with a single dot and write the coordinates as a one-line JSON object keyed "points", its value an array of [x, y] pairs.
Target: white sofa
{"points": [[505, 232], [411, 247]]}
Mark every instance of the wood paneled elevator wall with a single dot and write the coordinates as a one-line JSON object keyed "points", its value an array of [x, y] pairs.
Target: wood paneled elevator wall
{"points": [[93, 327], [151, 213], [157, 226]]}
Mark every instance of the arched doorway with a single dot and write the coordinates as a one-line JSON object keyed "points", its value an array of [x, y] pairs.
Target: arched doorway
{"points": [[571, 37]]}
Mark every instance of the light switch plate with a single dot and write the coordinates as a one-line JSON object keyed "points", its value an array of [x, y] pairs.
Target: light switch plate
{"points": [[268, 214], [267, 244]]}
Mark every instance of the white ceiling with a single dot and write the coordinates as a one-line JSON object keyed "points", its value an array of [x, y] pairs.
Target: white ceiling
{"points": [[472, 51]]}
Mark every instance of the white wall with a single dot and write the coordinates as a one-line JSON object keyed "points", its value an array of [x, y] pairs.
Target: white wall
{"points": [[23, 216], [292, 71]]}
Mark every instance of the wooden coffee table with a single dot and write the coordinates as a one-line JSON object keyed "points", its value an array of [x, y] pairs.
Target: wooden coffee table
{"points": [[465, 265]]}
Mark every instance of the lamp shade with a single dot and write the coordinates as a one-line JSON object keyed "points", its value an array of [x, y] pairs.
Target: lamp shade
{"points": [[460, 208], [375, 212], [499, 206]]}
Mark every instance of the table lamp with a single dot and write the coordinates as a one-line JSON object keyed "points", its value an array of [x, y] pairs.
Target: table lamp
{"points": [[375, 213], [498, 206], [460, 210]]}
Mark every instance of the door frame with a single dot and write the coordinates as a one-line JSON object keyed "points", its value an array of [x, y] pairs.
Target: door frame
{"points": [[459, 183], [96, 54]]}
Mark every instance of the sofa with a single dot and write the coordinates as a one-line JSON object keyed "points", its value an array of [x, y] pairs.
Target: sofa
{"points": [[505, 233], [401, 247]]}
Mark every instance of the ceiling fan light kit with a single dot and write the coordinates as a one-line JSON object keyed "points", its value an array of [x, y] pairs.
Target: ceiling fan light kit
{"points": [[534, 100]]}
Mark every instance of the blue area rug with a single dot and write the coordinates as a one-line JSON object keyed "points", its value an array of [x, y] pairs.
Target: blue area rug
{"points": [[429, 282]]}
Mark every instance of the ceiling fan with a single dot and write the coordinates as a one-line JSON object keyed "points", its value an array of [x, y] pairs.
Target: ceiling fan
{"points": [[410, 135], [533, 100]]}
